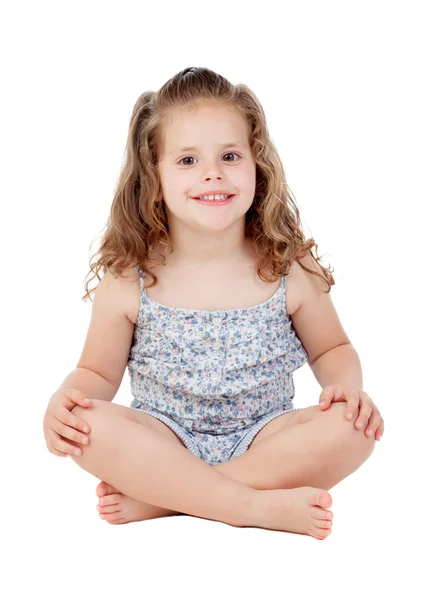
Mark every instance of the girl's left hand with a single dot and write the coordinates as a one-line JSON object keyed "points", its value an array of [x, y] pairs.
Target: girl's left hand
{"points": [[355, 397]]}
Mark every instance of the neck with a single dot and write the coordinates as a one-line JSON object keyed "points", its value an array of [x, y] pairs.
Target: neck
{"points": [[209, 251]]}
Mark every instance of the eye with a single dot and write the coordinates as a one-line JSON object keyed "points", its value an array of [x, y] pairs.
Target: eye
{"points": [[188, 165], [231, 153]]}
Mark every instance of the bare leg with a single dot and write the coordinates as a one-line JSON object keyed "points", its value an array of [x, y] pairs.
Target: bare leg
{"points": [[146, 467], [151, 470], [320, 453]]}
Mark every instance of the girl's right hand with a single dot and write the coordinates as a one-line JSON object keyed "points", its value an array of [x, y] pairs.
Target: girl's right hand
{"points": [[61, 425]]}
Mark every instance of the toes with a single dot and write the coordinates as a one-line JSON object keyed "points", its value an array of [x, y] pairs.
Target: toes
{"points": [[104, 488], [319, 534], [110, 499], [106, 510], [323, 524], [320, 513], [325, 499], [118, 522], [100, 489], [324, 533], [111, 518], [321, 498]]}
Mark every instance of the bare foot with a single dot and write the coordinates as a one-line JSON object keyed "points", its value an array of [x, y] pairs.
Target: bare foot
{"points": [[298, 510], [117, 508]]}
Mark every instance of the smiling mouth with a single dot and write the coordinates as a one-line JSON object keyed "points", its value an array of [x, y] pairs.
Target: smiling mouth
{"points": [[215, 201]]}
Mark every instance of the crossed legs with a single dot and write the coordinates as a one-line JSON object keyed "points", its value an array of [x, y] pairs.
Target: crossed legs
{"points": [[313, 448]]}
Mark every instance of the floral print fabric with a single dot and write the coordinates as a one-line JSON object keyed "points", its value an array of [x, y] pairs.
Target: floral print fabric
{"points": [[214, 376]]}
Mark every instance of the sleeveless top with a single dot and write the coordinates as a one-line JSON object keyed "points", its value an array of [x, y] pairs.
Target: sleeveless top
{"points": [[214, 370]]}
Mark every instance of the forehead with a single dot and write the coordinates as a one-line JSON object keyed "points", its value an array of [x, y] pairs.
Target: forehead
{"points": [[209, 125]]}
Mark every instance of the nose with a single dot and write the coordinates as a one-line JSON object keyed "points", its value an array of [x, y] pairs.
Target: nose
{"points": [[213, 174], [213, 171]]}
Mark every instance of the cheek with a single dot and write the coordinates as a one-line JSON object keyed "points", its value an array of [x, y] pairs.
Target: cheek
{"points": [[247, 183], [248, 176], [176, 190]]}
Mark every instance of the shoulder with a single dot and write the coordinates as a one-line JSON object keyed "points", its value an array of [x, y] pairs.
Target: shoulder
{"points": [[313, 282], [301, 284], [129, 277], [126, 286]]}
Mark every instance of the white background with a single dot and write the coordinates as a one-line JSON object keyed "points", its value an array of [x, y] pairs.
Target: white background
{"points": [[346, 87]]}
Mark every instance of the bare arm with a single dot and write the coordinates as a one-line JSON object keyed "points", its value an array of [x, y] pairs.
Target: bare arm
{"points": [[90, 383], [332, 357], [339, 365], [101, 367]]}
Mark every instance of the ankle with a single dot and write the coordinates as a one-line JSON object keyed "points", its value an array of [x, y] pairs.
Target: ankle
{"points": [[251, 505]]}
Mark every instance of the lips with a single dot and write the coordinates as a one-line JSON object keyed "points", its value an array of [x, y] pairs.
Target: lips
{"points": [[213, 193], [215, 203], [225, 193]]}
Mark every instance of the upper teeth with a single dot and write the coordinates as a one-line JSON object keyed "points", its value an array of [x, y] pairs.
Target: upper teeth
{"points": [[216, 197]]}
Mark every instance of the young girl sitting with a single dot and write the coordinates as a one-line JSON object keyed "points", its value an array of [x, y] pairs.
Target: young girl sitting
{"points": [[212, 298]]}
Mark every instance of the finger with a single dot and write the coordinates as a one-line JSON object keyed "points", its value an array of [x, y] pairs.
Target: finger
{"points": [[353, 401], [57, 452], [57, 445], [327, 396], [379, 431], [69, 433], [77, 397], [373, 423], [72, 420], [69, 447], [365, 412]]}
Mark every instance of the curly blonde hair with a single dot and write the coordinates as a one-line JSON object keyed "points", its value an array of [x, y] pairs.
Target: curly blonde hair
{"points": [[138, 225]]}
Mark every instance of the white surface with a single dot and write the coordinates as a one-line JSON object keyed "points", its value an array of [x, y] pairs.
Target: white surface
{"points": [[346, 90]]}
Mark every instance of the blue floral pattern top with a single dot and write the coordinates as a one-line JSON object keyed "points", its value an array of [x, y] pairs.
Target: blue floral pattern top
{"points": [[214, 370]]}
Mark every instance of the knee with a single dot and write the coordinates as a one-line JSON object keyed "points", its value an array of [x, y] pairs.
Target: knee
{"points": [[91, 415], [101, 416], [347, 436], [87, 414]]}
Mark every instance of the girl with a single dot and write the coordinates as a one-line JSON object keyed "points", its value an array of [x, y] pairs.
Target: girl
{"points": [[212, 298]]}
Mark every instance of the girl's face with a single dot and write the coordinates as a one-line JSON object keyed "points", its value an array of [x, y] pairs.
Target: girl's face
{"points": [[220, 159]]}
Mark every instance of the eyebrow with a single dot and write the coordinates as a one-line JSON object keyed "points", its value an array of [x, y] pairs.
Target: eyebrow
{"points": [[227, 145]]}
